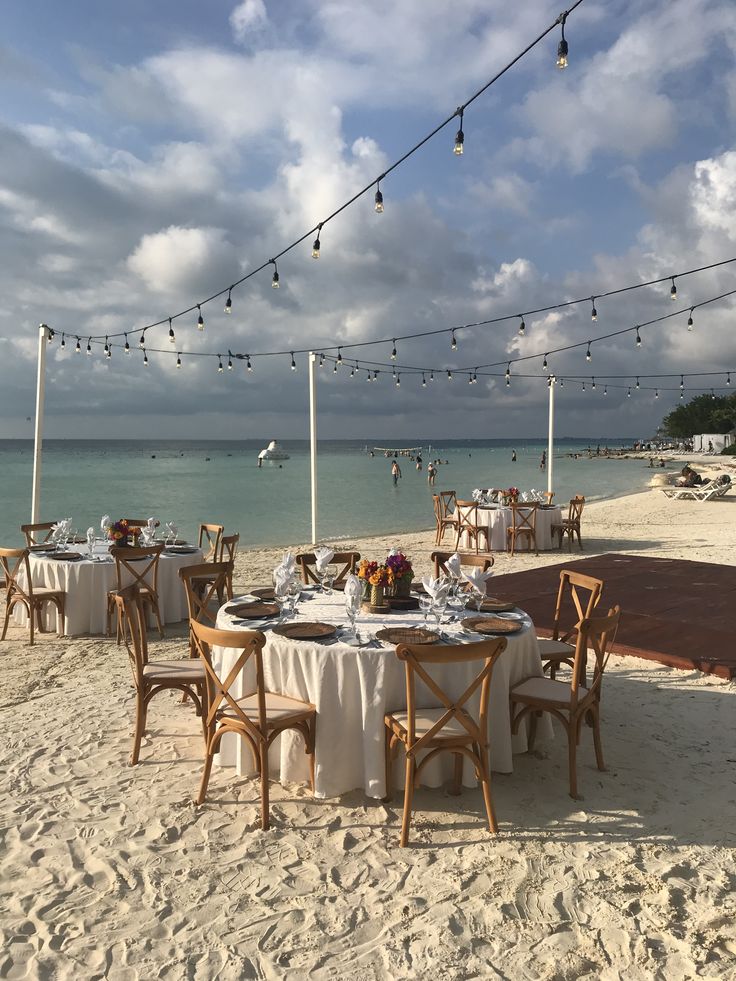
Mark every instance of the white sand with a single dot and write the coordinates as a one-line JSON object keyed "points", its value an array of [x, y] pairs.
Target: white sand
{"points": [[110, 871]]}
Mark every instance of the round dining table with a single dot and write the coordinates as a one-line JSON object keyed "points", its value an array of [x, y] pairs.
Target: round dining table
{"points": [[87, 582], [498, 519], [353, 687]]}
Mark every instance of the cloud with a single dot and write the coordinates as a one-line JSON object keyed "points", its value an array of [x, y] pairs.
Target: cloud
{"points": [[178, 259], [247, 17]]}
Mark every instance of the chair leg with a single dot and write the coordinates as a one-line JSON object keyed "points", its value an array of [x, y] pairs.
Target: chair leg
{"points": [[140, 726], [7, 619], [572, 749], [532, 734], [388, 758], [209, 755], [408, 796], [486, 782], [264, 784], [597, 739], [457, 782]]}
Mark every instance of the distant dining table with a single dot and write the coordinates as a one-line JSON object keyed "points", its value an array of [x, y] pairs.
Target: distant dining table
{"points": [[353, 687], [87, 582], [497, 518]]}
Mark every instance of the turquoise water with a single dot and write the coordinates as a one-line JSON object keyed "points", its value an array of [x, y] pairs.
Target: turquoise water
{"points": [[189, 481]]}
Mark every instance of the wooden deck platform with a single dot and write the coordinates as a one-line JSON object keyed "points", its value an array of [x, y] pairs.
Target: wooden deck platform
{"points": [[676, 612]]}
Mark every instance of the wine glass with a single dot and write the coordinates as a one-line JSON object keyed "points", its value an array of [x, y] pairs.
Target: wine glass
{"points": [[425, 605], [91, 542], [281, 594], [478, 595], [439, 605], [329, 579], [295, 592], [352, 608]]}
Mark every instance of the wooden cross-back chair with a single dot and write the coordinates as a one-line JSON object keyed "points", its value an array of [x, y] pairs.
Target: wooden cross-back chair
{"points": [[35, 533], [571, 524], [228, 551], [209, 540], [258, 717], [523, 525], [445, 511], [577, 597], [204, 584], [19, 590], [483, 562], [152, 677], [468, 524], [447, 729], [137, 566], [571, 702], [548, 495], [345, 561]]}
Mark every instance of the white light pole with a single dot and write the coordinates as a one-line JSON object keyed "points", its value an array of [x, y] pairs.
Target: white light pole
{"points": [[313, 439], [551, 434], [43, 339]]}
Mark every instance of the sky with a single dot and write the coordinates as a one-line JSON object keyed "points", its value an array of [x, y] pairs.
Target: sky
{"points": [[152, 154]]}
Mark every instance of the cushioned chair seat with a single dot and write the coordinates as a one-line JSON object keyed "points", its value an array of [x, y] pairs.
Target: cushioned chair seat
{"points": [[425, 719], [555, 648], [278, 707], [183, 669], [544, 689]]}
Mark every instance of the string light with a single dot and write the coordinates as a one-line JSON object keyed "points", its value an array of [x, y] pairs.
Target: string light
{"points": [[339, 356], [593, 312], [682, 396], [293, 362], [562, 48], [522, 327], [248, 365], [424, 381], [126, 348], [593, 386], [475, 377], [393, 373], [229, 301], [378, 207], [728, 378], [107, 347], [544, 363], [453, 343], [178, 361], [431, 375], [63, 342], [628, 394], [398, 381], [172, 338], [605, 389], [583, 386], [375, 375], [321, 360], [638, 338], [508, 374], [275, 277], [220, 369], [78, 348], [588, 355], [459, 136], [690, 319], [142, 341], [200, 318], [352, 370], [89, 346], [656, 394], [334, 368], [145, 358], [470, 378], [449, 375], [229, 360], [316, 244], [637, 381], [393, 352], [673, 290]]}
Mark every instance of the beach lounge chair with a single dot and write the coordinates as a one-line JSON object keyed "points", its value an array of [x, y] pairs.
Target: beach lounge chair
{"points": [[152, 677], [571, 703], [447, 729], [258, 717]]}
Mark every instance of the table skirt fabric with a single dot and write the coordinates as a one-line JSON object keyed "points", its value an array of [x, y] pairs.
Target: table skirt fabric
{"points": [[86, 584], [352, 689], [498, 519]]}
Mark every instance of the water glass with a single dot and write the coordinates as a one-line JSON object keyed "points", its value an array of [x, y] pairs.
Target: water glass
{"points": [[281, 594], [295, 592], [425, 605], [438, 607]]}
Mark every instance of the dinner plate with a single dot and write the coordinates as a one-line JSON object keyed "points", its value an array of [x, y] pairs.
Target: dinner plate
{"points": [[42, 547], [407, 635], [306, 630], [492, 605], [181, 549], [511, 616], [255, 610], [67, 556], [491, 625], [262, 592]]}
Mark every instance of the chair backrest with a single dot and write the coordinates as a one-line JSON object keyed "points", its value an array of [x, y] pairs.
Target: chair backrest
{"points": [[209, 541], [437, 509], [548, 495], [345, 561], [228, 548], [467, 516], [448, 502], [417, 656], [13, 562], [596, 634], [524, 517], [466, 558], [575, 508], [203, 583], [135, 635], [31, 532], [572, 591], [136, 565], [136, 522], [249, 643]]}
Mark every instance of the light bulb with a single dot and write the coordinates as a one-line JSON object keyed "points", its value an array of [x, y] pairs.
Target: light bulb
{"points": [[275, 277], [379, 201], [172, 338], [229, 361], [690, 319], [593, 312], [63, 342], [89, 346], [628, 394], [656, 394], [334, 368], [583, 386], [142, 341], [78, 348], [393, 352], [593, 385], [449, 375], [200, 319], [293, 362], [522, 328], [339, 356], [398, 381], [637, 381], [638, 338], [126, 348], [321, 360], [145, 358], [588, 355], [544, 363], [453, 344], [315, 248], [712, 394], [424, 381], [562, 50], [673, 290], [459, 137], [605, 389], [220, 369], [229, 302], [682, 382], [431, 375], [178, 361], [248, 365], [728, 378]]}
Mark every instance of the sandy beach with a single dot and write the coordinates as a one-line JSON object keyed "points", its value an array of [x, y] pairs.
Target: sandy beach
{"points": [[112, 872]]}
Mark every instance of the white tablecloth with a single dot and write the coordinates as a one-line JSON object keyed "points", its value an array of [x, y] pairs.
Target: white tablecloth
{"points": [[498, 519], [86, 584], [352, 689]]}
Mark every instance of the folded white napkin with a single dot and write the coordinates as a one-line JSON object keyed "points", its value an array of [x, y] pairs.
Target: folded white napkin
{"points": [[353, 591], [478, 579], [453, 565], [282, 578], [152, 524], [322, 558], [436, 588], [288, 562], [105, 523]]}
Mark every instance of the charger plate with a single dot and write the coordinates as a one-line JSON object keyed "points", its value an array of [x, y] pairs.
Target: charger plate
{"points": [[492, 605], [306, 630], [407, 635], [263, 592], [66, 556], [256, 610], [491, 625]]}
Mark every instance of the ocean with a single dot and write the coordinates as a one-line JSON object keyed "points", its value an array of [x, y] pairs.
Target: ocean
{"points": [[191, 481]]}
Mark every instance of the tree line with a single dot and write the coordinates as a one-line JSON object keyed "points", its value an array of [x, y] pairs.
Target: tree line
{"points": [[702, 414]]}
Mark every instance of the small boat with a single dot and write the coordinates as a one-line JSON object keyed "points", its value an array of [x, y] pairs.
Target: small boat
{"points": [[273, 452]]}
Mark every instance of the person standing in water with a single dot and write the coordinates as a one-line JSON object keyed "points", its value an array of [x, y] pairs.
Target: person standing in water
{"points": [[513, 456], [395, 472], [543, 461], [431, 473]]}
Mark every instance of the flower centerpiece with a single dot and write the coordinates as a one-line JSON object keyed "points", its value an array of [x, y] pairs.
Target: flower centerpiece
{"points": [[120, 532], [402, 571], [378, 578], [511, 495]]}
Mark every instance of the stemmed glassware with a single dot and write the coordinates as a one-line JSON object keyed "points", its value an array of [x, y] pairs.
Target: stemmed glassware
{"points": [[91, 542], [281, 595], [295, 592], [439, 605], [353, 603], [477, 596], [425, 605]]}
